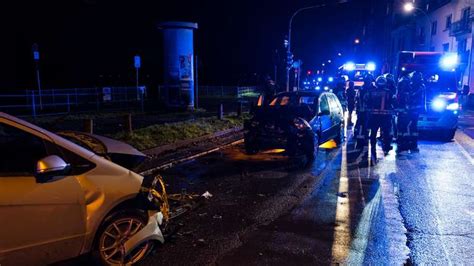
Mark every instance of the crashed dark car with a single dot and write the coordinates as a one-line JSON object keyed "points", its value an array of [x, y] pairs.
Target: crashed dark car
{"points": [[295, 121]]}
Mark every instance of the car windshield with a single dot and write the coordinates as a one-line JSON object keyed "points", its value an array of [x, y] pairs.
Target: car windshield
{"points": [[441, 82]]}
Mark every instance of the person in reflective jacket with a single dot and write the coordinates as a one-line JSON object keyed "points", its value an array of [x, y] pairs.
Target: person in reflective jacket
{"points": [[351, 100], [380, 109], [411, 101], [360, 129]]}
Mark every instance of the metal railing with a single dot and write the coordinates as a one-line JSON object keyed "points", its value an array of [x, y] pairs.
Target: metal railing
{"points": [[460, 27], [58, 101], [216, 91]]}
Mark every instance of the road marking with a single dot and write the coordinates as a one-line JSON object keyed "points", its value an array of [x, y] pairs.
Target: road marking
{"points": [[464, 152], [342, 230]]}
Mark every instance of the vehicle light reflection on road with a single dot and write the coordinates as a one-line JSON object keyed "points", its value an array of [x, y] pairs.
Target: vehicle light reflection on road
{"points": [[274, 151], [328, 145], [342, 230]]}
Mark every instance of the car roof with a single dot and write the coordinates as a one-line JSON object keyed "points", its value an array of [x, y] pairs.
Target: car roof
{"points": [[55, 138], [302, 93]]}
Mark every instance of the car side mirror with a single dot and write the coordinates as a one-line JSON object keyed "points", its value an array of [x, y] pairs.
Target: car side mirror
{"points": [[50, 167], [325, 112]]}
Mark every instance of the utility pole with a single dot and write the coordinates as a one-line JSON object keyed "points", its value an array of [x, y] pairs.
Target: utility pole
{"points": [[36, 58], [289, 55]]}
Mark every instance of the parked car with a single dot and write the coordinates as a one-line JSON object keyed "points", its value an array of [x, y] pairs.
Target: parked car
{"points": [[59, 200], [295, 121]]}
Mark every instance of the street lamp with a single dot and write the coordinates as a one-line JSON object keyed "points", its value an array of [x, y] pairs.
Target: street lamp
{"points": [[288, 43], [409, 7]]}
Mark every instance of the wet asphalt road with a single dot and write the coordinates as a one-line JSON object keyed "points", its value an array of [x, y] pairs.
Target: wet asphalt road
{"points": [[347, 207]]}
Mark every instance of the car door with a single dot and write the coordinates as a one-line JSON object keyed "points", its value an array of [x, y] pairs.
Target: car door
{"points": [[40, 222], [336, 114], [324, 118]]}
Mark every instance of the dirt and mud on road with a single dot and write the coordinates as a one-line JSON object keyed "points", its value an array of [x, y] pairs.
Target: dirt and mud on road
{"points": [[248, 192]]}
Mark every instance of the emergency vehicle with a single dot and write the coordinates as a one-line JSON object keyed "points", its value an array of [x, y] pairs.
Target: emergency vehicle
{"points": [[440, 99], [356, 72]]}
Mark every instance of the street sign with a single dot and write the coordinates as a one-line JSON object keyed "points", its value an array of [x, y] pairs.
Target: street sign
{"points": [[137, 61], [36, 55]]}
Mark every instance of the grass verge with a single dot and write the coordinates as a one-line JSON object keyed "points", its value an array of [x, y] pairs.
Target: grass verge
{"points": [[162, 134]]}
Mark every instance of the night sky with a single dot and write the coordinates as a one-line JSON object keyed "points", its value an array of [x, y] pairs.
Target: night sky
{"points": [[85, 43]]}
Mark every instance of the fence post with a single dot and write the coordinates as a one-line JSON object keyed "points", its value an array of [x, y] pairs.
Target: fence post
{"points": [[239, 109], [33, 103], [97, 99], [89, 126], [128, 124], [220, 112], [68, 103], [142, 103]]}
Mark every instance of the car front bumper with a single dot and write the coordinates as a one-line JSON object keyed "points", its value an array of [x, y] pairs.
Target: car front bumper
{"points": [[438, 121]]}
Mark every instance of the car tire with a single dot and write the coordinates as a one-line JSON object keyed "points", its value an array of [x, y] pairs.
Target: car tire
{"points": [[339, 139], [311, 148], [251, 146], [449, 134], [122, 225]]}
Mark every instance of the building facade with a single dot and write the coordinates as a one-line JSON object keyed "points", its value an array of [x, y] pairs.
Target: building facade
{"points": [[436, 25]]}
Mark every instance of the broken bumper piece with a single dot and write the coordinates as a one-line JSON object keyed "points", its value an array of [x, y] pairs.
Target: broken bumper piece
{"points": [[151, 232]]}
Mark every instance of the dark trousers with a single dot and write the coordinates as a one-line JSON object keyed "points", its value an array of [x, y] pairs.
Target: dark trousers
{"points": [[407, 130], [384, 123], [350, 108], [360, 130]]}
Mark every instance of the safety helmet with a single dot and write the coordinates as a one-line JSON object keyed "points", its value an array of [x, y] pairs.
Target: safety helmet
{"points": [[368, 78], [380, 82], [416, 77], [389, 77]]}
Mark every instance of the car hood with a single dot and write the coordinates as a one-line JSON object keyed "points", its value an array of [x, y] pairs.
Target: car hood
{"points": [[116, 151]]}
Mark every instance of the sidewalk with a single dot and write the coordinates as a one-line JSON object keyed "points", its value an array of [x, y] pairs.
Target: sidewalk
{"points": [[466, 122]]}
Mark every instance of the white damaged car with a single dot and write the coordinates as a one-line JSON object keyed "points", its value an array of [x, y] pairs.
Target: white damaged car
{"points": [[59, 200]]}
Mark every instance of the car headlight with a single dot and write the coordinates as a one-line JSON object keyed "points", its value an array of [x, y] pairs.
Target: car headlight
{"points": [[438, 105], [301, 124], [452, 107]]}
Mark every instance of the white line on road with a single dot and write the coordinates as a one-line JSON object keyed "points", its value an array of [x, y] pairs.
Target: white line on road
{"points": [[464, 152]]}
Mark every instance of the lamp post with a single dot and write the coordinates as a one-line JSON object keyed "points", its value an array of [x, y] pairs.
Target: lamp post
{"points": [[288, 43], [409, 7]]}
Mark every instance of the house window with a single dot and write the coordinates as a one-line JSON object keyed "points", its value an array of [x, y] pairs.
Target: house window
{"points": [[462, 45], [434, 27], [449, 21], [446, 47], [421, 35], [465, 15]]}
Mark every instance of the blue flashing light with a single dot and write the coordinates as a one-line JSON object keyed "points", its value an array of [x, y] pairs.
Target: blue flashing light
{"points": [[330, 79], [320, 79], [438, 105], [349, 66], [318, 88], [326, 88], [449, 62], [370, 66]]}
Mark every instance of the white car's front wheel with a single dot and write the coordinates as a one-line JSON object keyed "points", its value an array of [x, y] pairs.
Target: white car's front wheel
{"points": [[116, 230]]}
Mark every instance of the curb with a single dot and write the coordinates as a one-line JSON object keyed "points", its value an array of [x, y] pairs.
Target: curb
{"points": [[173, 146]]}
